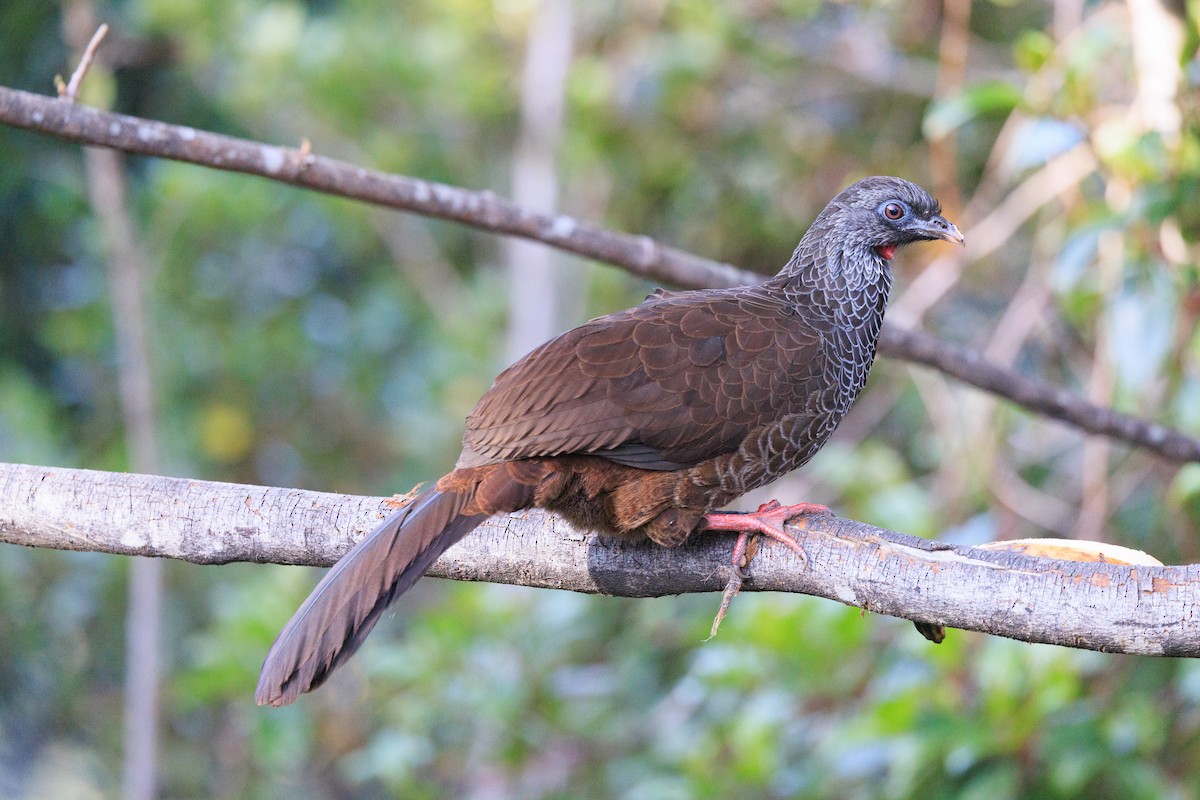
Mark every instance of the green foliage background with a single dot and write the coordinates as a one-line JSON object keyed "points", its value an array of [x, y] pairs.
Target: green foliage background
{"points": [[290, 349]]}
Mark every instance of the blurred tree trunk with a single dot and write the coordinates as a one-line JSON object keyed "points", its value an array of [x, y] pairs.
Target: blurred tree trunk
{"points": [[127, 267], [1158, 37], [535, 283]]}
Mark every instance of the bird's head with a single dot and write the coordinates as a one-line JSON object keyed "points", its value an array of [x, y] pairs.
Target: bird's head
{"points": [[861, 228], [881, 213]]}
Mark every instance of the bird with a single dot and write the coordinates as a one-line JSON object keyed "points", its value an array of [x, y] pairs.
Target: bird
{"points": [[644, 422]]}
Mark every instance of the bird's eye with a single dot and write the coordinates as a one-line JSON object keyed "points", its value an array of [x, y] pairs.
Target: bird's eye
{"points": [[893, 211]]}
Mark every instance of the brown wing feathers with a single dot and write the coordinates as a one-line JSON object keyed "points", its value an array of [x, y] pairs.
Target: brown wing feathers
{"points": [[687, 376]]}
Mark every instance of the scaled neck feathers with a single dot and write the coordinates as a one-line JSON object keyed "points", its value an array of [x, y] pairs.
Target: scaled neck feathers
{"points": [[833, 257]]}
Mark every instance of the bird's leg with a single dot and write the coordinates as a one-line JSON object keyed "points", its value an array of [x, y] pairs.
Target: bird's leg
{"points": [[769, 521]]}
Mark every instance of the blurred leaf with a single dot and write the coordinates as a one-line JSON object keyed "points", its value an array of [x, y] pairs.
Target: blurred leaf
{"points": [[226, 434], [1038, 140], [1140, 330], [1032, 50], [951, 113]]}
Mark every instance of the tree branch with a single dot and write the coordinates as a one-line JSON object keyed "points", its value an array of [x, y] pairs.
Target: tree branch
{"points": [[300, 167], [1037, 396], [1147, 610], [640, 255]]}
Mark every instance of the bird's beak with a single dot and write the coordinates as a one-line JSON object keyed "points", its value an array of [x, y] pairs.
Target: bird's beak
{"points": [[942, 228]]}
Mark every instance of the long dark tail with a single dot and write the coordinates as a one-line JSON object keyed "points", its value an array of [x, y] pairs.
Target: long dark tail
{"points": [[342, 610]]}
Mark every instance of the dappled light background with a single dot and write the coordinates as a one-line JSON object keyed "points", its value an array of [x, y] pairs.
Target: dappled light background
{"points": [[301, 340]]}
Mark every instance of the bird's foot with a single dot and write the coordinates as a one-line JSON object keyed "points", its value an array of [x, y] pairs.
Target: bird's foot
{"points": [[768, 521]]}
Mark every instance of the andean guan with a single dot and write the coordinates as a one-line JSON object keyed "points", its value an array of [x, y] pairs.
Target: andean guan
{"points": [[642, 422]]}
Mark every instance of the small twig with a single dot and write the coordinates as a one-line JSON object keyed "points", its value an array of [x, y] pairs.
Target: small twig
{"points": [[71, 91]]}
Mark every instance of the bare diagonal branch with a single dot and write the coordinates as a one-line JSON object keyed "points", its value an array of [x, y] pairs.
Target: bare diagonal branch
{"points": [[299, 167], [1037, 396], [640, 255]]}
